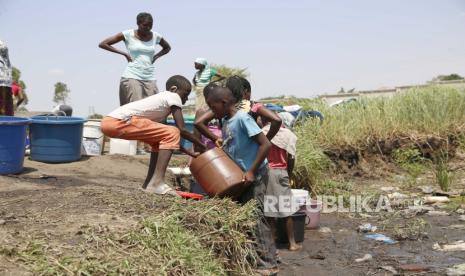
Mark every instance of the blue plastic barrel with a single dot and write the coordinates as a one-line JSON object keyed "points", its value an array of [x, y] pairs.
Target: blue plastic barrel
{"points": [[12, 143], [190, 126], [56, 139]]}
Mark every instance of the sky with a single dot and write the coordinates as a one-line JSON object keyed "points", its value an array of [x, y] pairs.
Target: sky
{"points": [[300, 48]]}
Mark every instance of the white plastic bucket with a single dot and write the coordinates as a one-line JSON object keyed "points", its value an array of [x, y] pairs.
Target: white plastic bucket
{"points": [[120, 146], [300, 197], [92, 139]]}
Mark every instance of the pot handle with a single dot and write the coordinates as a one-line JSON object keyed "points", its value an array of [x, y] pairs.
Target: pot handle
{"points": [[55, 115]]}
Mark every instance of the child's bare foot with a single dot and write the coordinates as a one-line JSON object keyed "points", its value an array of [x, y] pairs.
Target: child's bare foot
{"points": [[278, 257], [162, 189], [295, 247]]}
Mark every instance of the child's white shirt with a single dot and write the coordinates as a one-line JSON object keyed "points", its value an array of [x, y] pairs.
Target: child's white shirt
{"points": [[156, 107]]}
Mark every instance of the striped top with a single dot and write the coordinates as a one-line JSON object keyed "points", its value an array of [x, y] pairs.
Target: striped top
{"points": [[204, 78]]}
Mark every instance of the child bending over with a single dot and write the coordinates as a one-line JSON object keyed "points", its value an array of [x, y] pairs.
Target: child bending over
{"points": [[142, 120]]}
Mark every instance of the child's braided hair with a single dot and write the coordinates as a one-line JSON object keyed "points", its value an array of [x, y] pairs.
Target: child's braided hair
{"points": [[236, 85]]}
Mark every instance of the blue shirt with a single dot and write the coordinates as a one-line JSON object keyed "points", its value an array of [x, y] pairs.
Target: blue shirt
{"points": [[239, 144], [141, 52]]}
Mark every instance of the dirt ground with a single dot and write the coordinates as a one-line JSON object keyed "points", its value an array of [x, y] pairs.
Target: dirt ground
{"points": [[54, 201]]}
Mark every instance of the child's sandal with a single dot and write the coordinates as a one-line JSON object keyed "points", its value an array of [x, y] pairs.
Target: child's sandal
{"points": [[163, 189]]}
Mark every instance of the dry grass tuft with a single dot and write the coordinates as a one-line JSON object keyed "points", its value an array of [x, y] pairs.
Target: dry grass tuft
{"points": [[186, 238]]}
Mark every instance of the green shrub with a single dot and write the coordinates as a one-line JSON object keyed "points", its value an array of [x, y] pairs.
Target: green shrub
{"points": [[442, 172], [411, 161]]}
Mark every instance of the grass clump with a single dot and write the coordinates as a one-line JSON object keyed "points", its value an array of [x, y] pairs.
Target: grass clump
{"points": [[462, 142], [211, 237], [223, 227], [405, 157], [444, 176], [411, 161], [332, 187], [179, 251], [456, 203], [412, 229]]}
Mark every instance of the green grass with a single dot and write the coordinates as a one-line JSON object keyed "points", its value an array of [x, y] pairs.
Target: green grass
{"points": [[462, 142], [455, 203], [412, 162], [335, 188], [430, 110], [444, 176], [332, 187], [310, 162], [412, 116]]}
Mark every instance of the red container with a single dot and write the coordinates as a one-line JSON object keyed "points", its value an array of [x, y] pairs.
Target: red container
{"points": [[187, 195]]}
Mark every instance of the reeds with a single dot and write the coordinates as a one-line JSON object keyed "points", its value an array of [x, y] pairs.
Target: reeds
{"points": [[433, 110], [415, 114]]}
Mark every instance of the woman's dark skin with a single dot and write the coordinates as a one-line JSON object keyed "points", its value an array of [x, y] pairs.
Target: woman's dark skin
{"points": [[143, 33]]}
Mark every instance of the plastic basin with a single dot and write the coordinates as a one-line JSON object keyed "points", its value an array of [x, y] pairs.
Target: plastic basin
{"points": [[300, 196], [56, 139], [12, 143], [313, 212]]}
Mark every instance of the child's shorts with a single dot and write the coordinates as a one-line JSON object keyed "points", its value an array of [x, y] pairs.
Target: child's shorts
{"points": [[157, 135], [278, 196]]}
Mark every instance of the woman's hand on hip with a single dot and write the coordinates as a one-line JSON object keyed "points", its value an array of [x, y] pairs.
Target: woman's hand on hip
{"points": [[128, 57]]}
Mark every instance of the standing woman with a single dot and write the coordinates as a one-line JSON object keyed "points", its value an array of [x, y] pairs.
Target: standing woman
{"points": [[202, 78], [138, 79], [6, 97]]}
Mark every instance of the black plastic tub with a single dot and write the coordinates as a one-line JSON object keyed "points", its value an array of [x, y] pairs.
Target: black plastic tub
{"points": [[299, 228]]}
